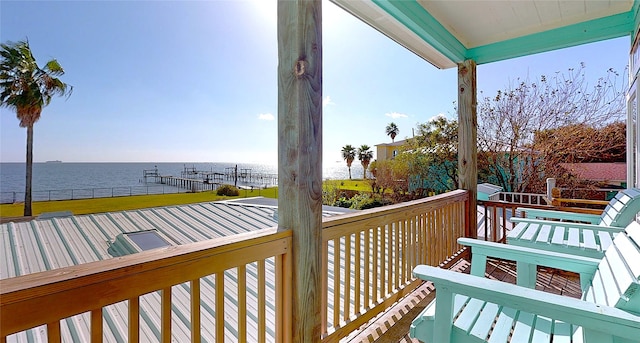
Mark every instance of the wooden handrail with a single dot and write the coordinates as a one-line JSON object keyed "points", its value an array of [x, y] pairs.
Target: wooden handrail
{"points": [[371, 255], [47, 297]]}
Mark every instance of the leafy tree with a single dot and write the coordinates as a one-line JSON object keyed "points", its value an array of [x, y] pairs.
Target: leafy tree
{"points": [[392, 131], [349, 154], [365, 155], [432, 155], [510, 121], [28, 88]]}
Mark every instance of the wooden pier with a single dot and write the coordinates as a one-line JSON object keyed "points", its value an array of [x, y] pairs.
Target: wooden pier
{"points": [[194, 185], [197, 181]]}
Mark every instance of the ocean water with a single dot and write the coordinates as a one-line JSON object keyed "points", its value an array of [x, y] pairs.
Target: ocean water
{"points": [[71, 175]]}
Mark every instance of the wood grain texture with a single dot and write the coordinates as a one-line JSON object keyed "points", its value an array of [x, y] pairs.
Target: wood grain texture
{"points": [[165, 315], [468, 139], [134, 320], [389, 240], [300, 155], [34, 299], [96, 325], [196, 330]]}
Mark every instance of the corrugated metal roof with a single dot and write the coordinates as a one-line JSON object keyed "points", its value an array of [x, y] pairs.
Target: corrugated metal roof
{"points": [[40, 245]]}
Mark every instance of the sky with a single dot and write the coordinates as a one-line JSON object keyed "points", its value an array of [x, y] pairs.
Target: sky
{"points": [[196, 81]]}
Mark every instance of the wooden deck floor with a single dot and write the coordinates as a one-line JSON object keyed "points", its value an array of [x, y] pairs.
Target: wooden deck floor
{"points": [[393, 325]]}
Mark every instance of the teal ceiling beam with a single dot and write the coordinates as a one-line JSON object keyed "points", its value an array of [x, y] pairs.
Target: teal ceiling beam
{"points": [[413, 16], [587, 32]]}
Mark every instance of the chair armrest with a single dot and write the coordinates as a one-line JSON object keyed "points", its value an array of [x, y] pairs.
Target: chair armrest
{"points": [[594, 227], [575, 311], [572, 263], [584, 217], [527, 260]]}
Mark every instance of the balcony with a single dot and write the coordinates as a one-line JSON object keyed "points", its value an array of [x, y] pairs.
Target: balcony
{"points": [[237, 288]]}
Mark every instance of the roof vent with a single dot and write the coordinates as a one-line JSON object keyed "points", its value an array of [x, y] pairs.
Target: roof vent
{"points": [[134, 242]]}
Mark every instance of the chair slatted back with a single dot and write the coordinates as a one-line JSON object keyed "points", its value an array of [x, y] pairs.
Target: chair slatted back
{"points": [[622, 209], [616, 282]]}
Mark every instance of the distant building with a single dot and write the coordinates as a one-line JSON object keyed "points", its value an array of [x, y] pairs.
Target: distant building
{"points": [[613, 174], [388, 151]]}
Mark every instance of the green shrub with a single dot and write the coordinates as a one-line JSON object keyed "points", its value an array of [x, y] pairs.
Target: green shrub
{"points": [[365, 201], [228, 190], [342, 202]]}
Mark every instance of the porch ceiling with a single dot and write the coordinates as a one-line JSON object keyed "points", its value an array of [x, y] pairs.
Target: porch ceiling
{"points": [[448, 32]]}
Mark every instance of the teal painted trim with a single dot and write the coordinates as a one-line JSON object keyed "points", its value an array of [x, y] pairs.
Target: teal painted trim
{"points": [[413, 16], [582, 33], [635, 10]]}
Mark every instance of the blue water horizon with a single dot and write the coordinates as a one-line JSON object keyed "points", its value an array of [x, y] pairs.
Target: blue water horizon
{"points": [[62, 175]]}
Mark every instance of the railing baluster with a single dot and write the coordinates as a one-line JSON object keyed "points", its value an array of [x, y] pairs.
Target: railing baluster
{"points": [[374, 268], [367, 268], [196, 329], [96, 325], [383, 254], [242, 304], [390, 260], [397, 255], [336, 282], [286, 302], [165, 315], [347, 277], [262, 303], [53, 332], [134, 320], [325, 288], [357, 266], [220, 307]]}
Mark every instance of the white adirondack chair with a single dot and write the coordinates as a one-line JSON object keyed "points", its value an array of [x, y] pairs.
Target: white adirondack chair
{"points": [[471, 308], [564, 235]]}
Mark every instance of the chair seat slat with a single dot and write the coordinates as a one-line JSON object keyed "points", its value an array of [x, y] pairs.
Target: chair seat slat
{"points": [[542, 330], [469, 314], [523, 327], [605, 239], [517, 231], [589, 240], [543, 235], [502, 329], [574, 238], [561, 332], [485, 321], [558, 235], [530, 232]]}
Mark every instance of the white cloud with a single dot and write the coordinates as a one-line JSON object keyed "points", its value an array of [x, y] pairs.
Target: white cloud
{"points": [[327, 101], [396, 115], [266, 116]]}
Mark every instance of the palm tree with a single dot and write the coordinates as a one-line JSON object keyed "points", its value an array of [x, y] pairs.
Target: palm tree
{"points": [[392, 130], [349, 154], [365, 155], [27, 88]]}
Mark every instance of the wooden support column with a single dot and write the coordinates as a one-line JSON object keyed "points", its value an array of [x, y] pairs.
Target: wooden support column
{"points": [[300, 155], [468, 140]]}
